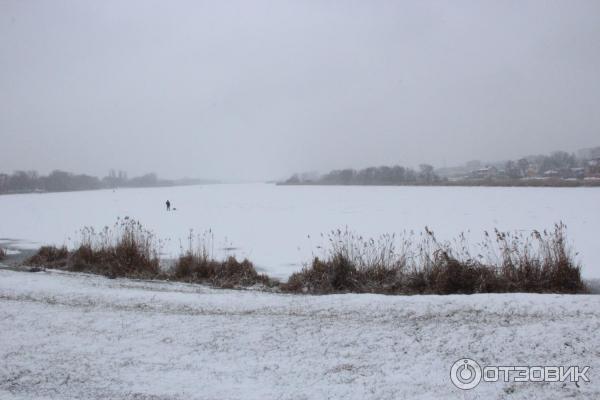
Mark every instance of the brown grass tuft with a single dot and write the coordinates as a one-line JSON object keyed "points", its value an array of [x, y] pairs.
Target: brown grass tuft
{"points": [[49, 256], [539, 262], [224, 274], [197, 265], [126, 250]]}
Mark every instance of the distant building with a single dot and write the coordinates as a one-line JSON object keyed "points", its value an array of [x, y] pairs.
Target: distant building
{"points": [[531, 171], [484, 173], [592, 168], [594, 162], [578, 173], [552, 173]]}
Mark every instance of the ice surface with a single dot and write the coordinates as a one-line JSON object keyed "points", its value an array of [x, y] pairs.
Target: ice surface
{"points": [[67, 336], [279, 227]]}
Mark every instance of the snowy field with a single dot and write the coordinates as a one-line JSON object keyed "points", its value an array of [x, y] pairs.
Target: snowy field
{"points": [[67, 336], [279, 227]]}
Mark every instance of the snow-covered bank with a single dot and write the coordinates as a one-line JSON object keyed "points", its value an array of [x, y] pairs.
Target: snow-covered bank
{"points": [[279, 227], [82, 336]]}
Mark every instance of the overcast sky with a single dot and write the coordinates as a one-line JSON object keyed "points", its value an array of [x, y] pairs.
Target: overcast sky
{"points": [[255, 90]]}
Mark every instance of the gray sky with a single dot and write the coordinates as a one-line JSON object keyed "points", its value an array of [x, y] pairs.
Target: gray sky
{"points": [[258, 90]]}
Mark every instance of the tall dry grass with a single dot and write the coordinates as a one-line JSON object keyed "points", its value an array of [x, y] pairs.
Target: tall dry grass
{"points": [[540, 262], [197, 264], [125, 249], [535, 262]]}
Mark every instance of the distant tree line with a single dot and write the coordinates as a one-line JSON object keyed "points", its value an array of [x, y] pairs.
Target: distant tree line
{"points": [[558, 168], [395, 175], [61, 181], [558, 164], [541, 164]]}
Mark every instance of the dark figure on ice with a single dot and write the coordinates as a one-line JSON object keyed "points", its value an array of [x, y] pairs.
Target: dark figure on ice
{"points": [[168, 205]]}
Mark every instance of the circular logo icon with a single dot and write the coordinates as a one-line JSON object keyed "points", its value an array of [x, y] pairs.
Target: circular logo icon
{"points": [[465, 374]]}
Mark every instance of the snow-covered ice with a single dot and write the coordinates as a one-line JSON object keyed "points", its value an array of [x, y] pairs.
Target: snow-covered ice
{"points": [[279, 227], [66, 336], [11, 252]]}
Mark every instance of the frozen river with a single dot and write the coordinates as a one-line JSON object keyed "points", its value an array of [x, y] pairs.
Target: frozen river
{"points": [[279, 227]]}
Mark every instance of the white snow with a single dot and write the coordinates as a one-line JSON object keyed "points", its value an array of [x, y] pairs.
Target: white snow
{"points": [[279, 227], [66, 336], [11, 252]]}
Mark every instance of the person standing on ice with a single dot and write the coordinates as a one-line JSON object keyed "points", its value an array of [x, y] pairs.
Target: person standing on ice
{"points": [[168, 205]]}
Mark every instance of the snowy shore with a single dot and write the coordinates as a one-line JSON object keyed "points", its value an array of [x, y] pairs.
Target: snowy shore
{"points": [[280, 228], [81, 336]]}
